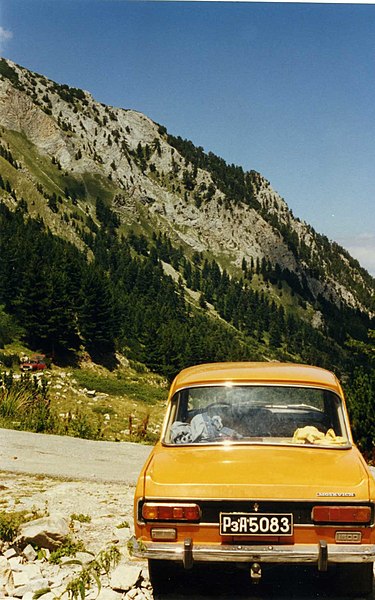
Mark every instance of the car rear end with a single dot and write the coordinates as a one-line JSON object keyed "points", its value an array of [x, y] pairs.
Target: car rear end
{"points": [[296, 490]]}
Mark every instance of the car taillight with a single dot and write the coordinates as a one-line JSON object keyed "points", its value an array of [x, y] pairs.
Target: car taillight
{"points": [[341, 514], [153, 511]]}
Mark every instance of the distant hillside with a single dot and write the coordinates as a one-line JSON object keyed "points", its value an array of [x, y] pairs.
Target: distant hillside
{"points": [[116, 235]]}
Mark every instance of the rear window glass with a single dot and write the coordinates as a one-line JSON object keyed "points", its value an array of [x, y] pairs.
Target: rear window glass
{"points": [[256, 414]]}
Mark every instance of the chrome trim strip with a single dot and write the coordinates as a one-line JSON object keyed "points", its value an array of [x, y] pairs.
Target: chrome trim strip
{"points": [[294, 553], [250, 500], [243, 444]]}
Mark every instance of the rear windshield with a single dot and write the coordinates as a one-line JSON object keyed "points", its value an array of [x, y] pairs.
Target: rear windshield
{"points": [[256, 414]]}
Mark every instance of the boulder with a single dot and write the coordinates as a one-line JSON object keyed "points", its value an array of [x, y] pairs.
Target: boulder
{"points": [[125, 577], [47, 532]]}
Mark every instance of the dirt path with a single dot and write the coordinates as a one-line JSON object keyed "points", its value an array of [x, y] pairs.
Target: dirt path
{"points": [[71, 458]]}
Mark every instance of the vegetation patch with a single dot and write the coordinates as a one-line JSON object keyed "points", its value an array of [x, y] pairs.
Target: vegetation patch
{"points": [[81, 518], [10, 522], [69, 548]]}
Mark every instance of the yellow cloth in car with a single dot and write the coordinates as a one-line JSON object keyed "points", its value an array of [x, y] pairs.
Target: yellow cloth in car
{"points": [[312, 435]]}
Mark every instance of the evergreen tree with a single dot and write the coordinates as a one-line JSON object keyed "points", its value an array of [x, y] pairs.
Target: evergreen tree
{"points": [[96, 315]]}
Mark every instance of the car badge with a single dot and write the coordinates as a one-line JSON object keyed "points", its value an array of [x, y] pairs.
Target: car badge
{"points": [[256, 507], [335, 494]]}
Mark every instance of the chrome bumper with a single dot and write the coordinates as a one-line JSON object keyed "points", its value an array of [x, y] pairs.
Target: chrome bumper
{"points": [[320, 554]]}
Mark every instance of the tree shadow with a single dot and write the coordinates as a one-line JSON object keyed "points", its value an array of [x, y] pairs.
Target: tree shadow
{"points": [[105, 359]]}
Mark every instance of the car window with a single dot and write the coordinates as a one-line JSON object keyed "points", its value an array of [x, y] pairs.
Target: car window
{"points": [[257, 414]]}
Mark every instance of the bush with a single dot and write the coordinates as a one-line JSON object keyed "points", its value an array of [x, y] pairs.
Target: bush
{"points": [[69, 548], [361, 406], [9, 360], [81, 425], [25, 399], [10, 523]]}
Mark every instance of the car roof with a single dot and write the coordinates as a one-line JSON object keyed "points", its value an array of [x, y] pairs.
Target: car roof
{"points": [[255, 372]]}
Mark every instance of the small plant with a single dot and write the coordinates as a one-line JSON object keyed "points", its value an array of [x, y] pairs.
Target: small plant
{"points": [[41, 553], [39, 593], [123, 525], [80, 518], [142, 432], [69, 548], [90, 574], [131, 543]]}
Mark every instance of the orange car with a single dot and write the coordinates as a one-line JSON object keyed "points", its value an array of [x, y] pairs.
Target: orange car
{"points": [[256, 465]]}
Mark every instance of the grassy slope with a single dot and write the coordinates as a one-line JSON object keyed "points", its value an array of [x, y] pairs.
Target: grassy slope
{"points": [[125, 404]]}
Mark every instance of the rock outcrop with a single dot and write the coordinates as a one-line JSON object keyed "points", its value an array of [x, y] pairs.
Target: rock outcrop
{"points": [[151, 182]]}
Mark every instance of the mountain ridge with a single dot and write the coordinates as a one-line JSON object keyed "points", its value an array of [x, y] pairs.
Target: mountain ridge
{"points": [[218, 240], [135, 154]]}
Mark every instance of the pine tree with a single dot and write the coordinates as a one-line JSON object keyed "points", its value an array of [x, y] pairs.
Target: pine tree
{"points": [[96, 315]]}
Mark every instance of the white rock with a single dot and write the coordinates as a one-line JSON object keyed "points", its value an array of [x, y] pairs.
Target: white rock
{"points": [[125, 577], [15, 563], [32, 571], [91, 594], [10, 553], [29, 553], [46, 596], [31, 586], [84, 557], [6, 577], [121, 534], [146, 584], [20, 578], [109, 594]]}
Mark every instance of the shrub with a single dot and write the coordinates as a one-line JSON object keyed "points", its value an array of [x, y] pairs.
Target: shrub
{"points": [[81, 518], [9, 360], [69, 548], [81, 425], [10, 523], [90, 575], [26, 399]]}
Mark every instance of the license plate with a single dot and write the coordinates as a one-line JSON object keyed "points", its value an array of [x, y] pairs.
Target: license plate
{"points": [[256, 524]]}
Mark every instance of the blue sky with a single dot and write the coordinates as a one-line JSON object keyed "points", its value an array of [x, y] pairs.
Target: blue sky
{"points": [[286, 89]]}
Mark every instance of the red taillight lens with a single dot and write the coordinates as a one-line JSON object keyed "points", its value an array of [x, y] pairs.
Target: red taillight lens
{"points": [[152, 511], [341, 514]]}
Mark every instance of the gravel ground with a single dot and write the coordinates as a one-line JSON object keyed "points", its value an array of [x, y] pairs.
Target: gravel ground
{"points": [[108, 505]]}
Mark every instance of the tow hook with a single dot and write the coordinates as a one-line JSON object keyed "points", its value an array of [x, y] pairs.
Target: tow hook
{"points": [[255, 572]]}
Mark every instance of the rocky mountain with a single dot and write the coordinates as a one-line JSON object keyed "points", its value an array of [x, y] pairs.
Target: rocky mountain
{"points": [[62, 152]]}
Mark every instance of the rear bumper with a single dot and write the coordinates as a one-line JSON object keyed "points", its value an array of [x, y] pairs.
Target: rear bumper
{"points": [[320, 554]]}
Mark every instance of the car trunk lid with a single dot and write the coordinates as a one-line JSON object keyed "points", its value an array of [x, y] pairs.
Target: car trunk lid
{"points": [[256, 471]]}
